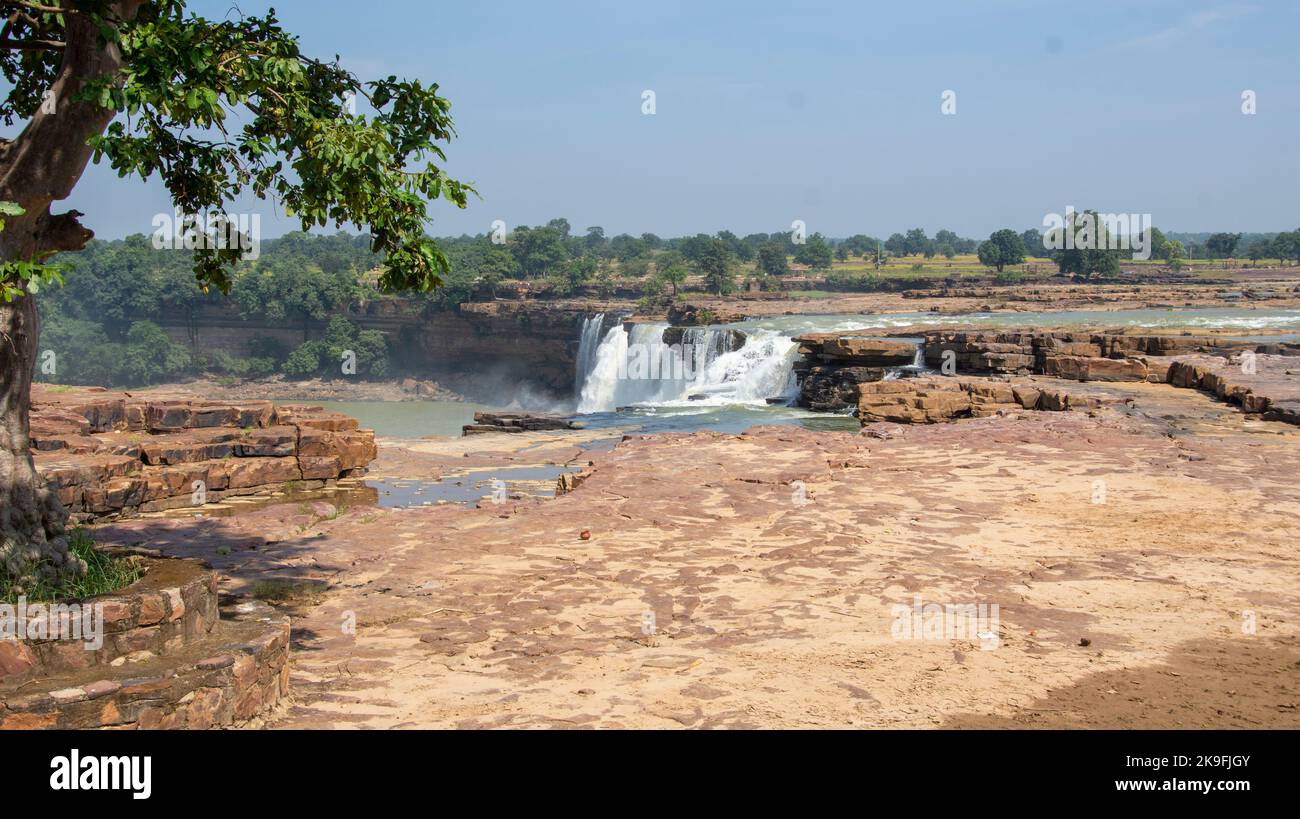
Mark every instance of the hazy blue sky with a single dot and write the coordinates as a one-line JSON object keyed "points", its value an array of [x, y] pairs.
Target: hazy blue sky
{"points": [[828, 112]]}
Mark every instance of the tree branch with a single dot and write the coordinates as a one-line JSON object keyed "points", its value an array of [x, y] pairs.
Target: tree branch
{"points": [[43, 163], [61, 233], [32, 45]]}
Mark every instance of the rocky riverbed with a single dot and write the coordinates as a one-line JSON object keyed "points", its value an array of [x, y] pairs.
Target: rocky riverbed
{"points": [[1081, 526], [1139, 551]]}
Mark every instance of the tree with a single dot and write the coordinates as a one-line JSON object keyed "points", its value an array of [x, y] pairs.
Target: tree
{"points": [[1287, 246], [946, 237], [1258, 250], [1221, 245], [670, 269], [214, 109], [281, 288], [595, 239], [1032, 239], [1089, 252], [538, 251], [1158, 243], [896, 244], [772, 260], [717, 265], [1002, 248], [916, 242], [737, 245], [860, 244], [815, 253], [694, 248], [573, 274], [1173, 252]]}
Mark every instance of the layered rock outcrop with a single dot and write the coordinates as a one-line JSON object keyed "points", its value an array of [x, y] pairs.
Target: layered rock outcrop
{"points": [[835, 366], [840, 370], [514, 422], [1264, 384], [933, 399], [1081, 356], [161, 653], [109, 454]]}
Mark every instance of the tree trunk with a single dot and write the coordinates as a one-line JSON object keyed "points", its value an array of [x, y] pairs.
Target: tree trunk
{"points": [[37, 168], [32, 538]]}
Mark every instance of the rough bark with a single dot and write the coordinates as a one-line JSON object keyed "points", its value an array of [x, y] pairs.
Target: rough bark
{"points": [[39, 167], [31, 517]]}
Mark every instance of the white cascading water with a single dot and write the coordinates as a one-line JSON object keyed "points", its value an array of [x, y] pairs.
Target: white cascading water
{"points": [[589, 341], [714, 374]]}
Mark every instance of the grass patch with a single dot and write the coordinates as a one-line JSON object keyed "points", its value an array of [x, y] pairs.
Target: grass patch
{"points": [[105, 573], [278, 590]]}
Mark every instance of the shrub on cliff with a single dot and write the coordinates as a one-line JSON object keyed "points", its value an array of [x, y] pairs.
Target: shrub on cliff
{"points": [[82, 352], [326, 356]]}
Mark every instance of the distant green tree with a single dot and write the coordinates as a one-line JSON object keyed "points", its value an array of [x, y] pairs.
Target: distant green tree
{"points": [[539, 251], [1173, 251], [1221, 245], [1090, 255], [737, 246], [717, 265], [325, 356], [1258, 250], [670, 270], [573, 274], [694, 248], [916, 242], [860, 244], [282, 289], [814, 252], [772, 260], [1032, 239], [1286, 246], [1004, 247]]}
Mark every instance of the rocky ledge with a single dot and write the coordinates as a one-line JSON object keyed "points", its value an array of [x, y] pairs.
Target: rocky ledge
{"points": [[167, 655], [835, 365], [848, 369], [110, 453], [515, 422], [932, 399], [1106, 355]]}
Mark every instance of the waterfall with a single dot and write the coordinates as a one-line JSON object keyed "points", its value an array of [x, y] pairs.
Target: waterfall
{"points": [[636, 367], [589, 341]]}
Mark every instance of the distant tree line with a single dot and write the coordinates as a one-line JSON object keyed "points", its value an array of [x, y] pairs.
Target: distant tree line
{"points": [[100, 322], [115, 289]]}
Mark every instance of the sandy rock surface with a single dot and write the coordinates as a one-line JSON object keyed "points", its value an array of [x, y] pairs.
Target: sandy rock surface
{"points": [[1141, 555]]}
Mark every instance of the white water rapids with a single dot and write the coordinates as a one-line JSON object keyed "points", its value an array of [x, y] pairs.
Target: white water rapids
{"points": [[636, 368]]}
